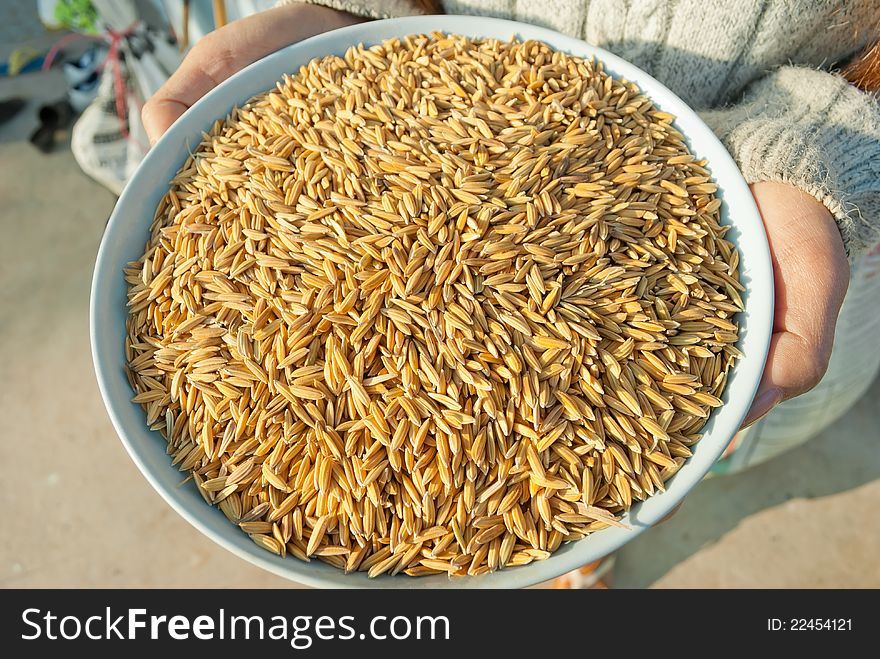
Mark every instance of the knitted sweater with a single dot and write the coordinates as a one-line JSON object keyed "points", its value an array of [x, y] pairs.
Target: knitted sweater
{"points": [[759, 72]]}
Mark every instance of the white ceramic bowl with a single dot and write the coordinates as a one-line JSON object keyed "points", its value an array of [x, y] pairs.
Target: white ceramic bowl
{"points": [[127, 232]]}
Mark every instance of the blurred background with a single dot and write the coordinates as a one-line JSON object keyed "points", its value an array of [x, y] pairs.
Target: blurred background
{"points": [[73, 74]]}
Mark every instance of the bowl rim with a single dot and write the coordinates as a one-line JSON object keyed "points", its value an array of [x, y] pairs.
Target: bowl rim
{"points": [[757, 319]]}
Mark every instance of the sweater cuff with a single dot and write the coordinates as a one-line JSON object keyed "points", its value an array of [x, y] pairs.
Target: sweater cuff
{"points": [[371, 8], [813, 130]]}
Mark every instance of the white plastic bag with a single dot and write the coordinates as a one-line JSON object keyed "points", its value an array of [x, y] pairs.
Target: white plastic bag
{"points": [[108, 148]]}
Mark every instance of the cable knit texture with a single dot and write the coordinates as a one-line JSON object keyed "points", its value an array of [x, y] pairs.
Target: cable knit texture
{"points": [[760, 72], [368, 9]]}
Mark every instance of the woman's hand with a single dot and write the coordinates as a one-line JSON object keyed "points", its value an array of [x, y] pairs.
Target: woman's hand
{"points": [[811, 275], [231, 48]]}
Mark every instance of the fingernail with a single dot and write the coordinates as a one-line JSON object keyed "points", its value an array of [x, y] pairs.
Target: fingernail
{"points": [[764, 402], [670, 514]]}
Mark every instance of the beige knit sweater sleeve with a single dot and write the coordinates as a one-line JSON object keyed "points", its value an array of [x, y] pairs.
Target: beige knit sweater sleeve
{"points": [[815, 131], [760, 73]]}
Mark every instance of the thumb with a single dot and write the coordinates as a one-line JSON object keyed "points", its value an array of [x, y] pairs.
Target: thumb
{"points": [[811, 275], [794, 365]]}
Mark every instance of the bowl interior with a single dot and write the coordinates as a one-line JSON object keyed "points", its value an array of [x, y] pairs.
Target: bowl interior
{"points": [[128, 231]]}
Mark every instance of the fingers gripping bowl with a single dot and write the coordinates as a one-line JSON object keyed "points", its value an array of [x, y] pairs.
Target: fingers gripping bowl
{"points": [[497, 349]]}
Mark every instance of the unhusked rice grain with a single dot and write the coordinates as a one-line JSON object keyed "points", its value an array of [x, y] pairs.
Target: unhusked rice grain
{"points": [[434, 307]]}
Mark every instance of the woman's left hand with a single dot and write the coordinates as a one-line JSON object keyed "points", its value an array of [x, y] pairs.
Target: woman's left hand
{"points": [[229, 49]]}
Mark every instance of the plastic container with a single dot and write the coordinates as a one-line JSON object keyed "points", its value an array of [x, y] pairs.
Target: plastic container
{"points": [[127, 232]]}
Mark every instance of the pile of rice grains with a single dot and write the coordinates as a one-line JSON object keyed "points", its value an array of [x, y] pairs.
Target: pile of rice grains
{"points": [[437, 306]]}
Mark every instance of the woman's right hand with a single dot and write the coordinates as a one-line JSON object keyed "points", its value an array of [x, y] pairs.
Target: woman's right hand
{"points": [[224, 52], [811, 274]]}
